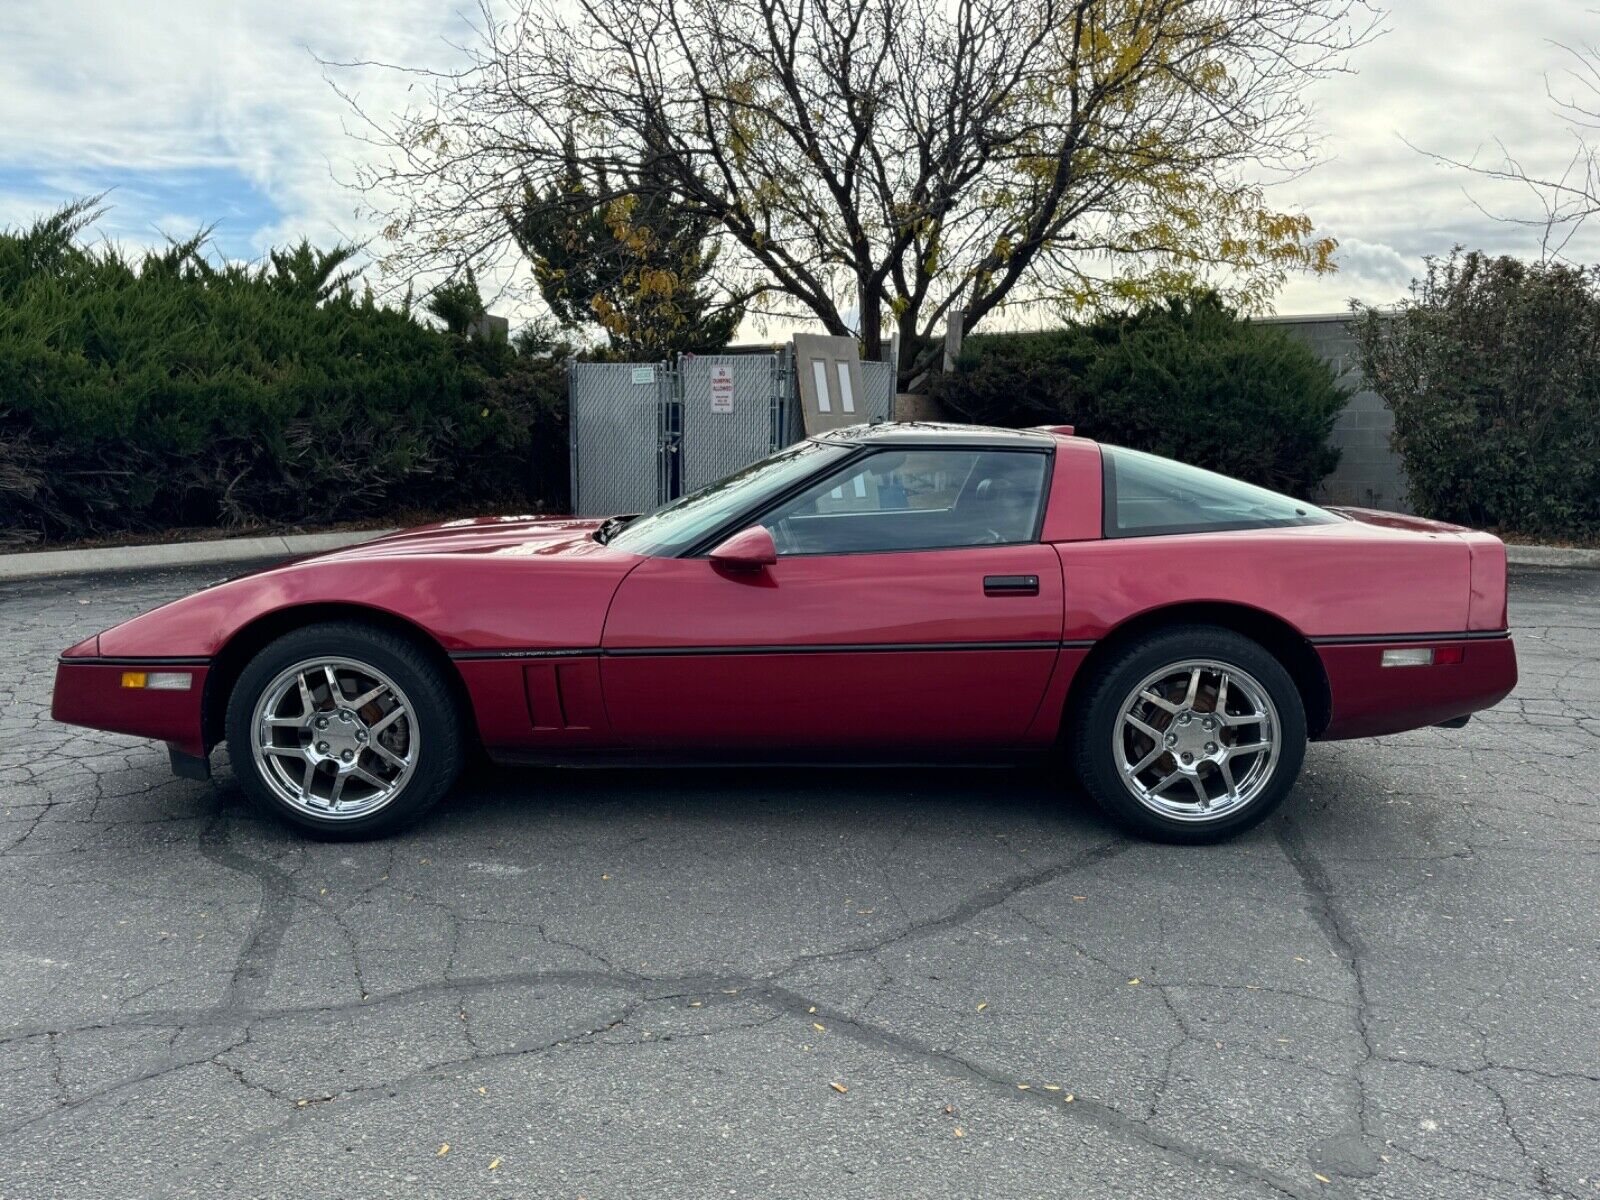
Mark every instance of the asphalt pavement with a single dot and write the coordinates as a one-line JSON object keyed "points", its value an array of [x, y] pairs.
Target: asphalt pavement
{"points": [[804, 984]]}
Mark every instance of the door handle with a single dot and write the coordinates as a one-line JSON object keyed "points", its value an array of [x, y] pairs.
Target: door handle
{"points": [[1010, 585]]}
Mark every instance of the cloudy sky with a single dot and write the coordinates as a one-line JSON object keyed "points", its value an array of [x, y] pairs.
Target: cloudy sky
{"points": [[196, 112]]}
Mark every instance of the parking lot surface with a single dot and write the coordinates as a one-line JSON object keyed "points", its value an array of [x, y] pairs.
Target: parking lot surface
{"points": [[805, 984]]}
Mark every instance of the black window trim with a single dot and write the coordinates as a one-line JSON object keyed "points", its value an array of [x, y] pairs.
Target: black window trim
{"points": [[754, 516]]}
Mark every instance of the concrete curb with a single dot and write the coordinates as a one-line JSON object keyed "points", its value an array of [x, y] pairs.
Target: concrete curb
{"points": [[1552, 556], [41, 563]]}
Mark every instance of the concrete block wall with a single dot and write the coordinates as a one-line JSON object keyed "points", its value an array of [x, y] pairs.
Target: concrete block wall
{"points": [[1369, 472]]}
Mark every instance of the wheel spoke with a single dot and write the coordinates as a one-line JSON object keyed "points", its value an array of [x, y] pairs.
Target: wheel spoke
{"points": [[367, 698], [1235, 720], [310, 774], [1221, 706], [1226, 767], [285, 722], [388, 719], [1200, 792], [1146, 760], [284, 751], [388, 755], [339, 781], [334, 690], [1166, 783], [1158, 700], [1150, 731], [367, 776], [1249, 748], [305, 695], [1194, 687]]}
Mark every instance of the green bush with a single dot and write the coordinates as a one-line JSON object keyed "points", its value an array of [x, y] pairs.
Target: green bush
{"points": [[1189, 379], [170, 391], [1493, 372]]}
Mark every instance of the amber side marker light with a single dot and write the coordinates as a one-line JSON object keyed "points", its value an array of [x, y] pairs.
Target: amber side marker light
{"points": [[158, 681], [1424, 656]]}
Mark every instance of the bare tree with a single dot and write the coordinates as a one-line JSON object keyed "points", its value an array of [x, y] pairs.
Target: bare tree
{"points": [[1565, 198], [882, 164]]}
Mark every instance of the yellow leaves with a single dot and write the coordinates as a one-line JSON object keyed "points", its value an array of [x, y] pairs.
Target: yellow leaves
{"points": [[1133, 982], [1320, 1178], [443, 1150], [819, 1027], [983, 1005], [839, 1087], [494, 1164], [959, 1132]]}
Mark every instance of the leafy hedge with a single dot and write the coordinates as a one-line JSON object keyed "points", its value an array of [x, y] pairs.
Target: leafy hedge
{"points": [[1189, 379], [169, 391], [1493, 372]]}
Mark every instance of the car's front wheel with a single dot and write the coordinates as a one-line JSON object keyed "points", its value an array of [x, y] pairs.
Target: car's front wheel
{"points": [[1192, 734], [344, 730]]}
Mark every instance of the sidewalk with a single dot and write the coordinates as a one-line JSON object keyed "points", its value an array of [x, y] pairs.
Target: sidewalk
{"points": [[40, 563]]}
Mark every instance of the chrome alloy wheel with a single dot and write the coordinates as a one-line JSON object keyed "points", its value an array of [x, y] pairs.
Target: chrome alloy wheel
{"points": [[334, 737], [1196, 740]]}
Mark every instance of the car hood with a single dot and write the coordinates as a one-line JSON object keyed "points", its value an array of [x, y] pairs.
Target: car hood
{"points": [[525, 535]]}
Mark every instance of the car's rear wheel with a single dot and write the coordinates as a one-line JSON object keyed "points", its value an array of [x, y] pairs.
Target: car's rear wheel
{"points": [[1192, 734], [344, 730]]}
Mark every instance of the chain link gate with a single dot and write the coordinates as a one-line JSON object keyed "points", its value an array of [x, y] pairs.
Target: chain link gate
{"points": [[643, 434], [622, 435]]}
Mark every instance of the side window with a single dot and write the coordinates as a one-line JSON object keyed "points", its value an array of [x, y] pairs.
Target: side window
{"points": [[916, 500], [1147, 495]]}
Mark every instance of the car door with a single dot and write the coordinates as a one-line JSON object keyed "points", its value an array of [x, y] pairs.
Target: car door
{"points": [[911, 608]]}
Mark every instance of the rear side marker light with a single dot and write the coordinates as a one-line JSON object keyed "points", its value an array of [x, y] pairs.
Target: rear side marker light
{"points": [[1424, 656], [158, 681]]}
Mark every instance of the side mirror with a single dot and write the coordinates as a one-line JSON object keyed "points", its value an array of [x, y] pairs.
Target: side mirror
{"points": [[748, 550]]}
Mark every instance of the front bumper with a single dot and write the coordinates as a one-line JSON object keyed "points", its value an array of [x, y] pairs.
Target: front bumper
{"points": [[89, 692]]}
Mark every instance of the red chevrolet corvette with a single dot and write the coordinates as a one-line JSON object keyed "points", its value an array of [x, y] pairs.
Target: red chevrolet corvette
{"points": [[897, 593]]}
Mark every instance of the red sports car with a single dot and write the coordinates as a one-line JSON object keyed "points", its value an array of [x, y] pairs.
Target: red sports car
{"points": [[901, 593]]}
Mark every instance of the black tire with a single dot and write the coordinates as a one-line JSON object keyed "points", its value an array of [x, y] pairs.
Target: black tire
{"points": [[1096, 719], [435, 725]]}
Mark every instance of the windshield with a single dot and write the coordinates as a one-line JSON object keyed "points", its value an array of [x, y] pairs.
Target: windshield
{"points": [[1147, 495], [677, 526]]}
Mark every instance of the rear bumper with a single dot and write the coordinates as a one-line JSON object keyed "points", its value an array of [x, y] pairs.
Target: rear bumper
{"points": [[1369, 699], [89, 692]]}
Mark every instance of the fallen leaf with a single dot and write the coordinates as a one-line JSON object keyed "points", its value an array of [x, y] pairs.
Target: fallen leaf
{"points": [[839, 1087], [443, 1150], [948, 1109], [605, 877], [483, 1091], [983, 1005], [960, 1132], [1133, 983], [812, 1009], [818, 1028], [1024, 1087], [1080, 899], [694, 1004], [1068, 1098], [1320, 1178], [1052, 1087], [494, 1164]]}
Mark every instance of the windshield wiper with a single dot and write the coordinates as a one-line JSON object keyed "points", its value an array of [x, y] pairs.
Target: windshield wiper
{"points": [[611, 526]]}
